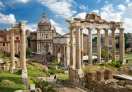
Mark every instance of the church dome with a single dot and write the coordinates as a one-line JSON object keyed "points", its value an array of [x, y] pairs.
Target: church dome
{"points": [[44, 21]]}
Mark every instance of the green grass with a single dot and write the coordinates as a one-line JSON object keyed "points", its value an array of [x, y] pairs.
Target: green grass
{"points": [[36, 70], [62, 76], [128, 56], [16, 79]]}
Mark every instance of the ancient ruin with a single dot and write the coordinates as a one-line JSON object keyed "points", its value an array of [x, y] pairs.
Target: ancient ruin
{"points": [[92, 21]]}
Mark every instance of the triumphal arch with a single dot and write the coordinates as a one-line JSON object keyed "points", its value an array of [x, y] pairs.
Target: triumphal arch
{"points": [[92, 21]]}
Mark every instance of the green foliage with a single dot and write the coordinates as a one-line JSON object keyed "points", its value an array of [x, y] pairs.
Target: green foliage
{"points": [[7, 83], [44, 86], [116, 64], [104, 53], [10, 82], [36, 70]]}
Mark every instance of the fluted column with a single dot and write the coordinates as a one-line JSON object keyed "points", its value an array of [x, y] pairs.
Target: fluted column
{"points": [[122, 45], [78, 49], [106, 45], [113, 45], [98, 46], [23, 52], [90, 45], [12, 50]]}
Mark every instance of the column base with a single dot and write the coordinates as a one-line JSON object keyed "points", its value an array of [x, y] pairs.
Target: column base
{"points": [[25, 78], [75, 75]]}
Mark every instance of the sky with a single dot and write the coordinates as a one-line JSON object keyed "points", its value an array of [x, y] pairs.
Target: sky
{"points": [[31, 11]]}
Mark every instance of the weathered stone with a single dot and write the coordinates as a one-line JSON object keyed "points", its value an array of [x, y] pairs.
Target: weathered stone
{"points": [[100, 75], [108, 74]]}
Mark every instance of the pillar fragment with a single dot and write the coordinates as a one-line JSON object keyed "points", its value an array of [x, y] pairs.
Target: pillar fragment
{"points": [[90, 46], [122, 45], [12, 50], [23, 53], [106, 45], [98, 46], [113, 45], [78, 49]]}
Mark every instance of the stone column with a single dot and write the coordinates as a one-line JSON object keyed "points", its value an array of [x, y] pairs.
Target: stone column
{"points": [[78, 49], [113, 45], [98, 46], [81, 44], [90, 45], [23, 53], [12, 51], [106, 45], [68, 54], [122, 45], [73, 49]]}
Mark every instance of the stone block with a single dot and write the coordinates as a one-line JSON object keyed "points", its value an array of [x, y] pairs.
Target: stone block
{"points": [[108, 74], [100, 75]]}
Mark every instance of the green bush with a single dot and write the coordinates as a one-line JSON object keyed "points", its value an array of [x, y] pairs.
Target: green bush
{"points": [[116, 64], [7, 83]]}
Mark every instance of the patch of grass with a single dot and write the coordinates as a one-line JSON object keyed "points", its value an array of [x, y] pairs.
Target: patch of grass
{"points": [[36, 70], [10, 82], [62, 76]]}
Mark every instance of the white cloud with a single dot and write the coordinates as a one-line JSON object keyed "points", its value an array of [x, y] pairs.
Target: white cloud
{"points": [[81, 15], [121, 7], [60, 7], [7, 19], [22, 1], [31, 27], [58, 28], [83, 7], [110, 14]]}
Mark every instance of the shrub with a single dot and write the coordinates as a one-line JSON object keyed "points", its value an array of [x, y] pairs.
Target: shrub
{"points": [[116, 64], [7, 83]]}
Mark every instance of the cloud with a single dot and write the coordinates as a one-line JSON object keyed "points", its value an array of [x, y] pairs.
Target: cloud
{"points": [[22, 1], [31, 27], [121, 7], [81, 15], [7, 19], [83, 7], [60, 7], [57, 26]]}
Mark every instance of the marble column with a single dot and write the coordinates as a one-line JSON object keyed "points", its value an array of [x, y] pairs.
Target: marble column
{"points": [[106, 45], [12, 50], [23, 52], [98, 46], [90, 46], [113, 45], [68, 54], [73, 49], [81, 45], [122, 45], [78, 49]]}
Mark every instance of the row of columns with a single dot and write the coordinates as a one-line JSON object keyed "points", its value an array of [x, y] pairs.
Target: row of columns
{"points": [[76, 48]]}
